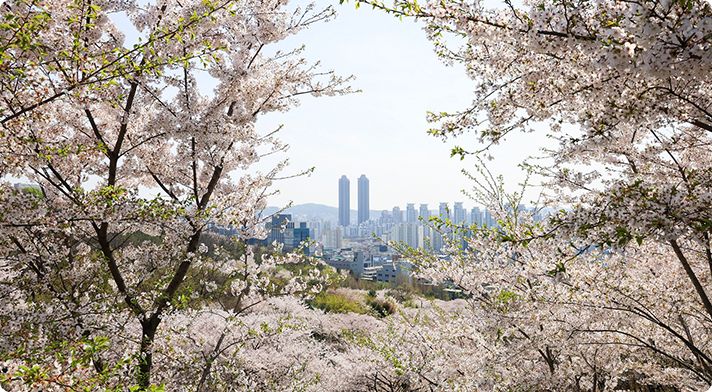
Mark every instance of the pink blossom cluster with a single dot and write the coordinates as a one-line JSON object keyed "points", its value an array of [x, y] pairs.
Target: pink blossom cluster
{"points": [[130, 164]]}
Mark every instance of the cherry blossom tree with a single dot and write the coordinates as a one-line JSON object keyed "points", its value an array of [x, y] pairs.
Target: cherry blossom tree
{"points": [[101, 266], [624, 88], [544, 311], [605, 66]]}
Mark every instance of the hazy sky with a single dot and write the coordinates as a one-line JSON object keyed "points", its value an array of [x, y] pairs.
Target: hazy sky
{"points": [[380, 132]]}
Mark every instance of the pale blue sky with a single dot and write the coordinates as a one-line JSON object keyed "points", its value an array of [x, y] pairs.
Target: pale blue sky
{"points": [[381, 132]]}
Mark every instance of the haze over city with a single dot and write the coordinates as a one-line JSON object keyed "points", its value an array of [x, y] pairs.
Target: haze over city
{"points": [[381, 132], [147, 245]]}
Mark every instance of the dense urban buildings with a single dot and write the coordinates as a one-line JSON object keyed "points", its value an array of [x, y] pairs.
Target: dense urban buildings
{"points": [[348, 246], [344, 205], [352, 246], [291, 235], [411, 227], [363, 205]]}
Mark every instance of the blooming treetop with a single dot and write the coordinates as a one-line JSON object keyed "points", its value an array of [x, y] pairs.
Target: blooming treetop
{"points": [[90, 267], [622, 84], [549, 312], [607, 66]]}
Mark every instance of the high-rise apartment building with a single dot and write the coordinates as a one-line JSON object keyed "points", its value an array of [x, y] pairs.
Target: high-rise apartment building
{"points": [[476, 216], [411, 216], [458, 213], [385, 218], [444, 211], [487, 219], [424, 212], [363, 205], [344, 205], [397, 215], [332, 238]]}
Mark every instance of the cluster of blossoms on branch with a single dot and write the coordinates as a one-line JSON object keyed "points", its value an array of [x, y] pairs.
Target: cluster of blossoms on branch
{"points": [[624, 88], [97, 276], [105, 288], [547, 312]]}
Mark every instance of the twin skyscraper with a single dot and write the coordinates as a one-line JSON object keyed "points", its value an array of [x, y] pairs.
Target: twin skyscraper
{"points": [[345, 204]]}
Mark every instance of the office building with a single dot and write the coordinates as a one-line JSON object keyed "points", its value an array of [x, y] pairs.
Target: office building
{"points": [[282, 230], [300, 237], [277, 228], [344, 205], [363, 205]]}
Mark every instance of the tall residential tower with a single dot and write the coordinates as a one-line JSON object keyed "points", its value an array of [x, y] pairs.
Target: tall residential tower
{"points": [[363, 205], [459, 214], [344, 205], [424, 212], [411, 216], [444, 211]]}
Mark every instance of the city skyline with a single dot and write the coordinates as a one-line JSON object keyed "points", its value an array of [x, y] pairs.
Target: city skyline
{"points": [[381, 131], [457, 212]]}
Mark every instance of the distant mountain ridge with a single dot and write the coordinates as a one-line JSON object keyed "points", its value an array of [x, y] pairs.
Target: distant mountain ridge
{"points": [[313, 211]]}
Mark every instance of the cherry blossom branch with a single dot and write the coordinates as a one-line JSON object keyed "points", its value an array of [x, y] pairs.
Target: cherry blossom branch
{"points": [[160, 184], [691, 274], [652, 348], [87, 78]]}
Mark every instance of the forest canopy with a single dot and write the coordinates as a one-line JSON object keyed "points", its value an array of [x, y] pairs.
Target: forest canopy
{"points": [[105, 288]]}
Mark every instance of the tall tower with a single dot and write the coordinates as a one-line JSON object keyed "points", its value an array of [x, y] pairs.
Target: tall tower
{"points": [[411, 216], [424, 212], [397, 215], [444, 211], [458, 213], [476, 216], [363, 206], [344, 205]]}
